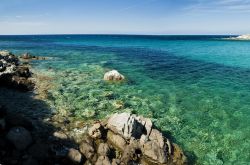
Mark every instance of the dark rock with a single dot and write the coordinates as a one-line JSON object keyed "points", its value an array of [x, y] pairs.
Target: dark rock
{"points": [[26, 56], [39, 151], [23, 71], [12, 74], [2, 125], [3, 111], [30, 161], [19, 137], [15, 120], [22, 83]]}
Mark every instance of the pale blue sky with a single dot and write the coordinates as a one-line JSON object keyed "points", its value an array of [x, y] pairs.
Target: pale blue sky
{"points": [[124, 16]]}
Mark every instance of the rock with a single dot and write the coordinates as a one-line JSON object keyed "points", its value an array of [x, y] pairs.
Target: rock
{"points": [[30, 161], [243, 37], [19, 137], [157, 148], [178, 156], [22, 83], [2, 119], [116, 140], [113, 75], [3, 111], [103, 160], [74, 156], [23, 71], [2, 125], [96, 131], [26, 56], [8, 58], [39, 151], [87, 149], [5, 53], [157, 137], [127, 139], [116, 162], [152, 151], [60, 135], [15, 120], [103, 149], [78, 134], [126, 125], [12, 74], [131, 152]]}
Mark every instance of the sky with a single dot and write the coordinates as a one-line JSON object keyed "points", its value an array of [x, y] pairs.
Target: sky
{"points": [[124, 17]]}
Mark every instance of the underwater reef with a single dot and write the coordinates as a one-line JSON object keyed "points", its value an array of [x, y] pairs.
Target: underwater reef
{"points": [[31, 132]]}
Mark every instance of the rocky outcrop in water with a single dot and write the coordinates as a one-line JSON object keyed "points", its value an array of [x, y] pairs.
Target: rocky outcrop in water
{"points": [[122, 139], [113, 75], [12, 74], [129, 139], [28, 56], [241, 37]]}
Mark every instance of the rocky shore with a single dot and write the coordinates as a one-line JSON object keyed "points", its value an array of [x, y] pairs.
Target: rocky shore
{"points": [[241, 37], [31, 134]]}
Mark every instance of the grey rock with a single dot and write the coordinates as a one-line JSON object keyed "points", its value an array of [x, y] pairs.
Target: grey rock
{"points": [[128, 125], [74, 156]]}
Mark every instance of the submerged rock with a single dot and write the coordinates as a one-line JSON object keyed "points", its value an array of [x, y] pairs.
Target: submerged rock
{"points": [[113, 75], [28, 56]]}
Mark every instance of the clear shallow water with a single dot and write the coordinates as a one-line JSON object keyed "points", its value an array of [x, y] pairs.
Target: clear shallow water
{"points": [[196, 87]]}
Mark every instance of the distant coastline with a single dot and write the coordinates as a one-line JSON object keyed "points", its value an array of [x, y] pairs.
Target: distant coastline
{"points": [[244, 37]]}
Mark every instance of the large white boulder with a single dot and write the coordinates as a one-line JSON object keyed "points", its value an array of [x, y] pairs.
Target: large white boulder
{"points": [[113, 75]]}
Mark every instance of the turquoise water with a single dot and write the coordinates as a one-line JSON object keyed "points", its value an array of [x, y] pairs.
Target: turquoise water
{"points": [[195, 88]]}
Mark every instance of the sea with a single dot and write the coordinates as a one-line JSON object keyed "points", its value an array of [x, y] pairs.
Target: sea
{"points": [[196, 89]]}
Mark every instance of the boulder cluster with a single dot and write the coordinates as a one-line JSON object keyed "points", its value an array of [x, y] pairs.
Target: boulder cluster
{"points": [[129, 139], [23, 142], [122, 139], [12, 73]]}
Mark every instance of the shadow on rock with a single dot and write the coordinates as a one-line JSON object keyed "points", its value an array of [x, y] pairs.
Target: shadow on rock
{"points": [[26, 136]]}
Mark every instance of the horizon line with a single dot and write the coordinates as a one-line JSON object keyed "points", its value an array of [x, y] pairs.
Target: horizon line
{"points": [[122, 34]]}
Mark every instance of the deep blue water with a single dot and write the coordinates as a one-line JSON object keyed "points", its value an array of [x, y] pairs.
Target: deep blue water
{"points": [[195, 87]]}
